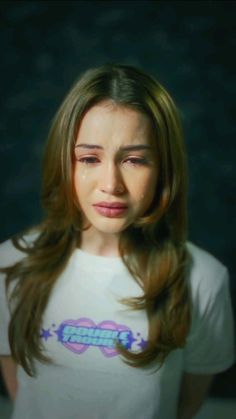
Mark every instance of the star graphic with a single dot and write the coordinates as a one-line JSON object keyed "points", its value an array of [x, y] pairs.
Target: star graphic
{"points": [[59, 332], [45, 334], [142, 344]]}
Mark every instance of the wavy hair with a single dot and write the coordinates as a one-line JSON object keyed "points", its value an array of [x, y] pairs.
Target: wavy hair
{"points": [[153, 249]]}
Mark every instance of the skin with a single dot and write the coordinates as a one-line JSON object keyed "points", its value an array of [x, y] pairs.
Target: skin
{"points": [[193, 391], [9, 373], [115, 161]]}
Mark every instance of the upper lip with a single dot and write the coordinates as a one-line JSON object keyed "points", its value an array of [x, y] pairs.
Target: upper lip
{"points": [[111, 204]]}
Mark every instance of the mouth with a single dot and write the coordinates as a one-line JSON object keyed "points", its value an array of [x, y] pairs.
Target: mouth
{"points": [[111, 205], [110, 209]]}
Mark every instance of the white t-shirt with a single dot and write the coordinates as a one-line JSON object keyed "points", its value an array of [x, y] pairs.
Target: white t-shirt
{"points": [[88, 379]]}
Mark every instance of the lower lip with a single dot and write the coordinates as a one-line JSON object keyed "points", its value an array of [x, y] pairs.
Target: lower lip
{"points": [[110, 212]]}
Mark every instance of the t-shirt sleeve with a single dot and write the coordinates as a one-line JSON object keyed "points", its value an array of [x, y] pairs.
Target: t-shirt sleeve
{"points": [[210, 344], [4, 320], [9, 255]]}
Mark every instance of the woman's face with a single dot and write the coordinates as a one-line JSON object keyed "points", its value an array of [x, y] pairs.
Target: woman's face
{"points": [[116, 171]]}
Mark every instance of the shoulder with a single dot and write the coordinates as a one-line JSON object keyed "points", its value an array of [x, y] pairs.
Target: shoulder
{"points": [[10, 254], [209, 346], [207, 275]]}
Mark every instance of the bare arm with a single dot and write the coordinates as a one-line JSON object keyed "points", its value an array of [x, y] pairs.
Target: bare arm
{"points": [[193, 391], [9, 369]]}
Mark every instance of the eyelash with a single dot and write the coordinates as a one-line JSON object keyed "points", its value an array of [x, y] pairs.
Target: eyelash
{"points": [[134, 161], [137, 161], [88, 160]]}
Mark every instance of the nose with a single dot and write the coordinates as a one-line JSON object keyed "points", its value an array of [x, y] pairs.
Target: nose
{"points": [[111, 180]]}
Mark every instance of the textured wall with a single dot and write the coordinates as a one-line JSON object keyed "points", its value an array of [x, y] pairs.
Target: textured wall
{"points": [[188, 45]]}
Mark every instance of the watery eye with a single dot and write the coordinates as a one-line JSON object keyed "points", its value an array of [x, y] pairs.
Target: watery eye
{"points": [[136, 161], [88, 160]]}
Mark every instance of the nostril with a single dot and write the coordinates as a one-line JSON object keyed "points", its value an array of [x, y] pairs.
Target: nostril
{"points": [[112, 181], [113, 189]]}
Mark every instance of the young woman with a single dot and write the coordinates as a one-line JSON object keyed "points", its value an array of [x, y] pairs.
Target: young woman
{"points": [[109, 312]]}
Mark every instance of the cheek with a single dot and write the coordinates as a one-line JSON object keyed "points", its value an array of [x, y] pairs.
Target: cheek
{"points": [[146, 185], [147, 189], [78, 184], [143, 196], [81, 174], [81, 179]]}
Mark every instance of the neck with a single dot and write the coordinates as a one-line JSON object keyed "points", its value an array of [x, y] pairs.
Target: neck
{"points": [[100, 244]]}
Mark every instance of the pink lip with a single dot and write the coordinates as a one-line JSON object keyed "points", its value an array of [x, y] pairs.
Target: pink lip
{"points": [[110, 209], [111, 204]]}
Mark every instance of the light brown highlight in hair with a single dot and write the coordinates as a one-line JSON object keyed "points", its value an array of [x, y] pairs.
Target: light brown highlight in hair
{"points": [[153, 249]]}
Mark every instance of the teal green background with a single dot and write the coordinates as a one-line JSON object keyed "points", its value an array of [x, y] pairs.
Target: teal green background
{"points": [[188, 45]]}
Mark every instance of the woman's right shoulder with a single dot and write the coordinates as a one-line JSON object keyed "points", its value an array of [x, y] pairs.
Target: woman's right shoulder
{"points": [[10, 254]]}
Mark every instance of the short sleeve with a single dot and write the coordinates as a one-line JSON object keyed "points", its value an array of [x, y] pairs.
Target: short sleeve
{"points": [[210, 344], [4, 320], [8, 256]]}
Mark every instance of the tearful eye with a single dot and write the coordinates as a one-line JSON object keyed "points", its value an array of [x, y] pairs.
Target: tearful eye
{"points": [[136, 161], [88, 160]]}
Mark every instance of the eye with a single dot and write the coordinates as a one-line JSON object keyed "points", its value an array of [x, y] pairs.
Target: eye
{"points": [[88, 159], [136, 161]]}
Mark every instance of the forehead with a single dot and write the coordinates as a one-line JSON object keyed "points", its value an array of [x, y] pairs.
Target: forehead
{"points": [[109, 121]]}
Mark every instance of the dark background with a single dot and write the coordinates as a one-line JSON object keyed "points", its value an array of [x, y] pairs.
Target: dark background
{"points": [[189, 46]]}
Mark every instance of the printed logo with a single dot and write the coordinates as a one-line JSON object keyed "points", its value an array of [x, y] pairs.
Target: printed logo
{"points": [[79, 335]]}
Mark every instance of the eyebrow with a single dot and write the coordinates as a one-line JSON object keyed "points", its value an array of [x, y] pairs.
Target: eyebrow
{"points": [[125, 148]]}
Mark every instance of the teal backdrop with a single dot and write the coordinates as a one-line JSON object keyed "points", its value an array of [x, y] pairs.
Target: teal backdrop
{"points": [[190, 46]]}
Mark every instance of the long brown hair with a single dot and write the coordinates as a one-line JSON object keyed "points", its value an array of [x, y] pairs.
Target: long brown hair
{"points": [[156, 241]]}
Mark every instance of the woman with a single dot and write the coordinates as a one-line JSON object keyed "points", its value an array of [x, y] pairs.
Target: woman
{"points": [[112, 313]]}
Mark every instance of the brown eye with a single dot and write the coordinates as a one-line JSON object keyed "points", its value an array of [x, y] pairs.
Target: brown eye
{"points": [[88, 160], [136, 161]]}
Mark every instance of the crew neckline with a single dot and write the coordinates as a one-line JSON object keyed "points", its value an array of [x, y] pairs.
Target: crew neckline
{"points": [[95, 262]]}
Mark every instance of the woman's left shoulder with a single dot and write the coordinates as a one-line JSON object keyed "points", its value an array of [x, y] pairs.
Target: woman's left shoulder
{"points": [[209, 347], [206, 271]]}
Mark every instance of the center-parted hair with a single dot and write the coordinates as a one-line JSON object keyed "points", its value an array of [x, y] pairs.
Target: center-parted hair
{"points": [[124, 86], [153, 249]]}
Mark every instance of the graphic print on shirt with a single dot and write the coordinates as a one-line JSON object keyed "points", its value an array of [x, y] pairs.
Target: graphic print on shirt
{"points": [[78, 335]]}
